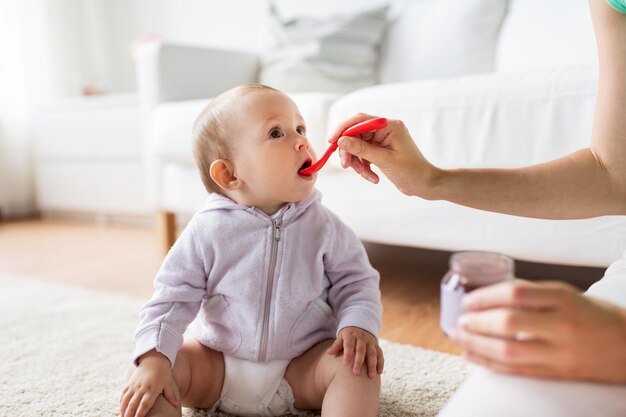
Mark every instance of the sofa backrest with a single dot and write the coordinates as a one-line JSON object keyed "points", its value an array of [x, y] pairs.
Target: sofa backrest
{"points": [[545, 33], [441, 38], [424, 39]]}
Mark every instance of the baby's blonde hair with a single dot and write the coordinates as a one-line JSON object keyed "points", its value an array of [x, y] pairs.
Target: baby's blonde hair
{"points": [[210, 134]]}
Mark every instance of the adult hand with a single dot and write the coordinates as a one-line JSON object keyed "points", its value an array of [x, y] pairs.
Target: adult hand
{"points": [[359, 347], [392, 150], [544, 329], [151, 378]]}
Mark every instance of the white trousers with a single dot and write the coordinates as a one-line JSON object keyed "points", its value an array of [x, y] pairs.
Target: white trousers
{"points": [[489, 394]]}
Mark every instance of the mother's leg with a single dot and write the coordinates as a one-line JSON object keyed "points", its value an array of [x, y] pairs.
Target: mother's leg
{"points": [[486, 393], [319, 380], [199, 375]]}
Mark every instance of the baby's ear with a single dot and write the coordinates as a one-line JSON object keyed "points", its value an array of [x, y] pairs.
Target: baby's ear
{"points": [[223, 174]]}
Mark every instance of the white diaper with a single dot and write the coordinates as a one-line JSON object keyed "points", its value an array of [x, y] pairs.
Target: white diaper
{"points": [[255, 388]]}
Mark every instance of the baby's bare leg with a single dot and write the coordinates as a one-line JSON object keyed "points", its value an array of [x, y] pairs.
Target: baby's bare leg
{"points": [[199, 374], [320, 380]]}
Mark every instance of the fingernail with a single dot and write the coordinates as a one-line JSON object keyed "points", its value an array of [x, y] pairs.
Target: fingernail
{"points": [[463, 322], [344, 159], [371, 179], [454, 335], [468, 302], [345, 143]]}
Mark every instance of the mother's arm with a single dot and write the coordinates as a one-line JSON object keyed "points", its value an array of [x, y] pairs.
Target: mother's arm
{"points": [[587, 183]]}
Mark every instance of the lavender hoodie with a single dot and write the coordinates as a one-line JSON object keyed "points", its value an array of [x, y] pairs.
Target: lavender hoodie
{"points": [[260, 288]]}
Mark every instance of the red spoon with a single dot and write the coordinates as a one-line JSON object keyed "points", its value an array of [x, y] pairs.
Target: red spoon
{"points": [[357, 129]]}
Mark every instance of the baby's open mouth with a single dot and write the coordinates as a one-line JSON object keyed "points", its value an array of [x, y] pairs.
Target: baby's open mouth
{"points": [[306, 164]]}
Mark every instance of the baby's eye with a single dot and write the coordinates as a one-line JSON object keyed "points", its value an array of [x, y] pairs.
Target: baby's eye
{"points": [[276, 133], [301, 130]]}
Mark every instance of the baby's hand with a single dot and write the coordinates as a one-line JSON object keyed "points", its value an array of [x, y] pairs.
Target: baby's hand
{"points": [[359, 345], [151, 378]]}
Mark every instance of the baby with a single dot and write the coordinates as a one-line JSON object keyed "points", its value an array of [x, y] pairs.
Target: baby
{"points": [[268, 276]]}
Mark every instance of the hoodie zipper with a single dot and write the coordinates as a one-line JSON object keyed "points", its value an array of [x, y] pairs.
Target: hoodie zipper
{"points": [[270, 287]]}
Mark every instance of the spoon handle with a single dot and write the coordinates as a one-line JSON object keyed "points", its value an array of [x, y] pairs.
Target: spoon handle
{"points": [[357, 129]]}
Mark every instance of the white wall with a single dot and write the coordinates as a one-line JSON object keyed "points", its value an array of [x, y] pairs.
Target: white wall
{"points": [[238, 24], [24, 79], [89, 43], [91, 40], [226, 24]]}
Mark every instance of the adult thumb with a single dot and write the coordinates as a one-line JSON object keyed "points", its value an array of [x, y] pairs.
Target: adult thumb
{"points": [[360, 148]]}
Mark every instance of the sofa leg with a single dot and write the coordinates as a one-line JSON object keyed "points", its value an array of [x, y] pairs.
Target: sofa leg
{"points": [[166, 228]]}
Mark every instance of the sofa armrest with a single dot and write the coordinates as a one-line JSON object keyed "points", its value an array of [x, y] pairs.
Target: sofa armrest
{"points": [[169, 72]]}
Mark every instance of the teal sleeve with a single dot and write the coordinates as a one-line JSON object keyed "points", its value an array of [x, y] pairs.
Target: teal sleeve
{"points": [[619, 5]]}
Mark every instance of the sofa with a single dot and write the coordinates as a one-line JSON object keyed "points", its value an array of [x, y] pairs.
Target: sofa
{"points": [[480, 83]]}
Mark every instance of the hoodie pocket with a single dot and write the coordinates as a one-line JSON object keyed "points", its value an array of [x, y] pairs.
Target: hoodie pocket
{"points": [[222, 330], [315, 324]]}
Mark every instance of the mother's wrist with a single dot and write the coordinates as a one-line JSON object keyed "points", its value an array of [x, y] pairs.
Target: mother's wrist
{"points": [[431, 184]]}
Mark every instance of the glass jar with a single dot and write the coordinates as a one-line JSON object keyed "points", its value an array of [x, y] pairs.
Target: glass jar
{"points": [[469, 271]]}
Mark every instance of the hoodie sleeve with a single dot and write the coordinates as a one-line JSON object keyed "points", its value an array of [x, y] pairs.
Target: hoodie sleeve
{"points": [[612, 287], [354, 294], [179, 287]]}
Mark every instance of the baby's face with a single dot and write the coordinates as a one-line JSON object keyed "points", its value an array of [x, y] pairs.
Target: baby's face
{"points": [[269, 146]]}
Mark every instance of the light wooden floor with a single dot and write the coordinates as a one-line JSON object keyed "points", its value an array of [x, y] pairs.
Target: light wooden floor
{"points": [[125, 259]]}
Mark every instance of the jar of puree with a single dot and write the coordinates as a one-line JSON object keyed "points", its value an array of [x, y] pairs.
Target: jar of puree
{"points": [[469, 271]]}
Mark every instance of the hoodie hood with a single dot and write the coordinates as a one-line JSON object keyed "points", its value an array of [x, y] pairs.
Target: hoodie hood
{"points": [[217, 201]]}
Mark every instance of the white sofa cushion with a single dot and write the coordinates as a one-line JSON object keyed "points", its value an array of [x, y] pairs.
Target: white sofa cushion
{"points": [[546, 33], [496, 120], [170, 131], [435, 38], [380, 213]]}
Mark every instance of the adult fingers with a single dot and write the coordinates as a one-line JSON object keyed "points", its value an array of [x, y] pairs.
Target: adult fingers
{"points": [[358, 147], [518, 294], [356, 163], [363, 168], [511, 323], [525, 370], [368, 174], [357, 118], [506, 351], [346, 159], [359, 357]]}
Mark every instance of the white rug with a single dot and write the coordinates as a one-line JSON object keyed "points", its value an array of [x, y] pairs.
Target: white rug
{"points": [[64, 352]]}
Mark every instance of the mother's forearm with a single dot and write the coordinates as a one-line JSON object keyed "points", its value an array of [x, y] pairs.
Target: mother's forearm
{"points": [[575, 186]]}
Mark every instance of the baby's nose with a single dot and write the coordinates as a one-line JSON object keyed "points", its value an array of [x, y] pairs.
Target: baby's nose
{"points": [[301, 144]]}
